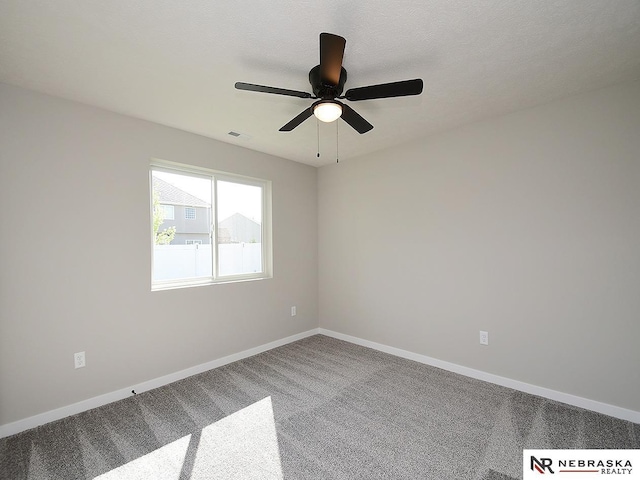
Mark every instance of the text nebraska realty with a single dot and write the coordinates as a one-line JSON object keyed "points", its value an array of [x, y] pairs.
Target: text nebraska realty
{"points": [[606, 467]]}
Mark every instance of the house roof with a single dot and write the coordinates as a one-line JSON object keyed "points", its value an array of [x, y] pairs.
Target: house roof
{"points": [[237, 217], [175, 63], [170, 194]]}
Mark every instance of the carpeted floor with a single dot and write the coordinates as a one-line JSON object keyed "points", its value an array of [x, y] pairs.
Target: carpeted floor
{"points": [[315, 409]]}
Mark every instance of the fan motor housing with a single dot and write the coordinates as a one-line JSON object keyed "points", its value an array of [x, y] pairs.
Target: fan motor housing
{"points": [[326, 90]]}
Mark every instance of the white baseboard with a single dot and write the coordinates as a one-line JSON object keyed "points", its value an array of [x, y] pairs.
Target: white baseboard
{"points": [[604, 408], [59, 413]]}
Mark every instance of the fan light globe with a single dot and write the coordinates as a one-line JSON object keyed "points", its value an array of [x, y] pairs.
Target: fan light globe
{"points": [[327, 111]]}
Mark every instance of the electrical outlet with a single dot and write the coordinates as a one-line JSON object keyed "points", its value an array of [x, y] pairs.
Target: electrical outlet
{"points": [[293, 311], [79, 360], [484, 338]]}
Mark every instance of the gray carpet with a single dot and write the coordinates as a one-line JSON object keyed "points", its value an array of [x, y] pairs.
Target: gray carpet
{"points": [[315, 409]]}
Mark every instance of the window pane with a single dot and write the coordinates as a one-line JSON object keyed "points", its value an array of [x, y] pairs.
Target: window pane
{"points": [[190, 213], [239, 229], [168, 212], [182, 240]]}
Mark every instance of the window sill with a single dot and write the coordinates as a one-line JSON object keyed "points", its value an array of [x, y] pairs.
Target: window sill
{"points": [[158, 287]]}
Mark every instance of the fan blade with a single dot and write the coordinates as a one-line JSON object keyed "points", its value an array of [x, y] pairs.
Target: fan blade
{"points": [[278, 91], [331, 53], [354, 119], [297, 120], [385, 90]]}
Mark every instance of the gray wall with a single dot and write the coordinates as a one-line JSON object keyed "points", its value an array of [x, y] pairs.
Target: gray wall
{"points": [[527, 226], [93, 293]]}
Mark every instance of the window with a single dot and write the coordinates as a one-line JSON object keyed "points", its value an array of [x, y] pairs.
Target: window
{"points": [[167, 212], [228, 239], [190, 213]]}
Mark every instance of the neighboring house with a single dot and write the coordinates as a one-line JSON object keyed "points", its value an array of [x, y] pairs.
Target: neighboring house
{"points": [[239, 229], [189, 214]]}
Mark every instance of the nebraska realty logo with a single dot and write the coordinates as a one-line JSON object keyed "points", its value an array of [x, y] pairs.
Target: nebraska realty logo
{"points": [[578, 464]]}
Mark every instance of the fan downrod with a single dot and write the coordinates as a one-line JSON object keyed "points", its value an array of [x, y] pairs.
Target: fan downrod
{"points": [[326, 91]]}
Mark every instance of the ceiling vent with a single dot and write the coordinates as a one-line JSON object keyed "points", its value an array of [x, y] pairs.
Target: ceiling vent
{"points": [[243, 136]]}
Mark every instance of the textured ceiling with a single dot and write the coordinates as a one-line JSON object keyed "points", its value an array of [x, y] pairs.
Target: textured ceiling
{"points": [[176, 62]]}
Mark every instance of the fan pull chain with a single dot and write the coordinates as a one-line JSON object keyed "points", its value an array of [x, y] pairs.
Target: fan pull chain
{"points": [[318, 133], [337, 160]]}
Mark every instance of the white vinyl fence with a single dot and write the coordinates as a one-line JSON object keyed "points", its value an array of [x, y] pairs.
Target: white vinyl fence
{"points": [[189, 261]]}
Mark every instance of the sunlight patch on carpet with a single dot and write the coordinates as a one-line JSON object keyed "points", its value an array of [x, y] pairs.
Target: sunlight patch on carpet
{"points": [[241, 445], [165, 463]]}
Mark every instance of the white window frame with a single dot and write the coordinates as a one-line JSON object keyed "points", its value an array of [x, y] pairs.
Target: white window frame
{"points": [[216, 175]]}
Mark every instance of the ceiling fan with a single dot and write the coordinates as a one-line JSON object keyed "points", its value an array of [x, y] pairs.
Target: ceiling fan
{"points": [[327, 82]]}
